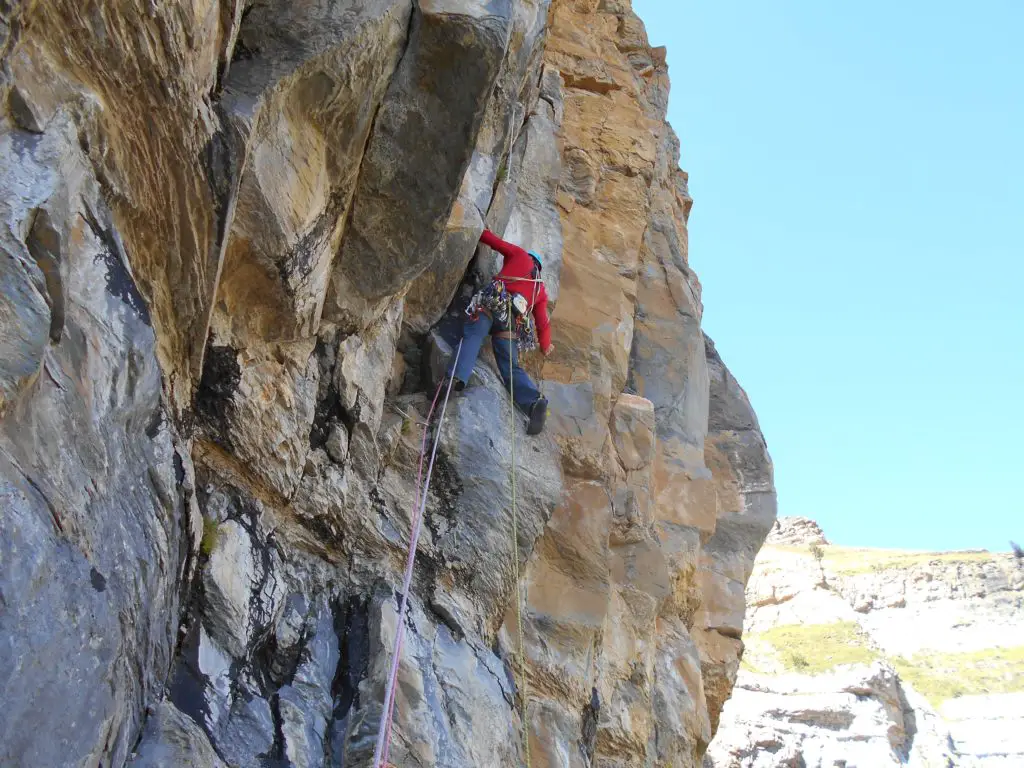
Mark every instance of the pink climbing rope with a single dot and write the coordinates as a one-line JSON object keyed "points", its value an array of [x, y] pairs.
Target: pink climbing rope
{"points": [[382, 750]]}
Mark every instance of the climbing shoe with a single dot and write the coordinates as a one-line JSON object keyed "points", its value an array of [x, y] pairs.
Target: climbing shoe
{"points": [[538, 415], [457, 385]]}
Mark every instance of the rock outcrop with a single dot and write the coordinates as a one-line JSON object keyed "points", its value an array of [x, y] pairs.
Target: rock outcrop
{"points": [[877, 658], [795, 531], [236, 239]]}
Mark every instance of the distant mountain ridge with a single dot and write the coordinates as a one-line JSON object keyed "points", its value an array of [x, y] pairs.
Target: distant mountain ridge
{"points": [[873, 657]]}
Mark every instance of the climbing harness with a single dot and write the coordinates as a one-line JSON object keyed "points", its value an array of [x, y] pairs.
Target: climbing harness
{"points": [[492, 299], [515, 562], [380, 753], [508, 310]]}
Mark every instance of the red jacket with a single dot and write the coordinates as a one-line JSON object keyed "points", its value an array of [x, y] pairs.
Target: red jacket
{"points": [[519, 264]]}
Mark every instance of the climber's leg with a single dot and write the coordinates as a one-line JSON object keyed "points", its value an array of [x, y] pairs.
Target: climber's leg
{"points": [[524, 391], [473, 334]]}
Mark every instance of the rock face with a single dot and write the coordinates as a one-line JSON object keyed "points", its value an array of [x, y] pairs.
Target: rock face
{"points": [[857, 717], [794, 531], [877, 658], [236, 239]]}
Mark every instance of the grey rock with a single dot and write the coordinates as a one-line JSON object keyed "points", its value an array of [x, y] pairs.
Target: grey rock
{"points": [[337, 444], [96, 485], [474, 484], [796, 531], [364, 367], [861, 716], [173, 739], [534, 220], [421, 146], [24, 302], [304, 99], [247, 733], [491, 165], [242, 587], [306, 704], [438, 673], [217, 219]]}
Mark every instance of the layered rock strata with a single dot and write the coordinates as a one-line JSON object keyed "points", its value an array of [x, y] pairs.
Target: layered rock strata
{"points": [[877, 657], [236, 237]]}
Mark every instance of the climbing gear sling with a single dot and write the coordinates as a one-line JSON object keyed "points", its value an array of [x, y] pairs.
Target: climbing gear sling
{"points": [[380, 753], [509, 311]]}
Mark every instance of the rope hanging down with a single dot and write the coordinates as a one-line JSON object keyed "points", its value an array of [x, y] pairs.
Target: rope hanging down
{"points": [[515, 554], [380, 753]]}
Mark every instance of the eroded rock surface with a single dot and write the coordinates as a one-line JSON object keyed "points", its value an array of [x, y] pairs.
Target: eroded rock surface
{"points": [[236, 239], [876, 657]]}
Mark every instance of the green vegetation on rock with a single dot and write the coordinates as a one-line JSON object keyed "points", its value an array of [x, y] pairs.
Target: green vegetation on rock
{"points": [[854, 560], [809, 648], [813, 649], [211, 534], [942, 676]]}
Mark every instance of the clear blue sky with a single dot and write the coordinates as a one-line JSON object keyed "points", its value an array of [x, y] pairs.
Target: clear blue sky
{"points": [[858, 226]]}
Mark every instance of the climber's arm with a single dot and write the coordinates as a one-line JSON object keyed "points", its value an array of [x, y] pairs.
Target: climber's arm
{"points": [[504, 248], [543, 322]]}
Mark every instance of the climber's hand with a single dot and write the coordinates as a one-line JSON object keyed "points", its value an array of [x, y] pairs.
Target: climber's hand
{"points": [[547, 352]]}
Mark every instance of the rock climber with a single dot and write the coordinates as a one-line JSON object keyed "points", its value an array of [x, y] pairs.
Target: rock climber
{"points": [[503, 310]]}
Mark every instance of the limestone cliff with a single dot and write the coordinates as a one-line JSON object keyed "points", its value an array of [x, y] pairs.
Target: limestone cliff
{"points": [[236, 239], [877, 657]]}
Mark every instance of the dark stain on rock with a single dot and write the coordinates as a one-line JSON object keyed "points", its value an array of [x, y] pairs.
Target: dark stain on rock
{"points": [[446, 485], [99, 581], [327, 533], [328, 402], [186, 689], [352, 626], [328, 409], [220, 160], [243, 51], [155, 421], [43, 244], [221, 375], [20, 111], [296, 265], [588, 736], [120, 283], [275, 665], [275, 754]]}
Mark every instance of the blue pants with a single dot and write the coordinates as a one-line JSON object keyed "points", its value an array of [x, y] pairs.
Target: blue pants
{"points": [[524, 391]]}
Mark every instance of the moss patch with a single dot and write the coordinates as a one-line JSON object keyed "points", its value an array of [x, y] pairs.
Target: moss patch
{"points": [[809, 648], [211, 535]]}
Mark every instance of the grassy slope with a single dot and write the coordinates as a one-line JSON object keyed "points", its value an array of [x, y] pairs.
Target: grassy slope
{"points": [[854, 560], [817, 648], [813, 649]]}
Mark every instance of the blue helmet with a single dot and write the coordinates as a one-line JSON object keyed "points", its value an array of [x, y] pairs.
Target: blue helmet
{"points": [[537, 258]]}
